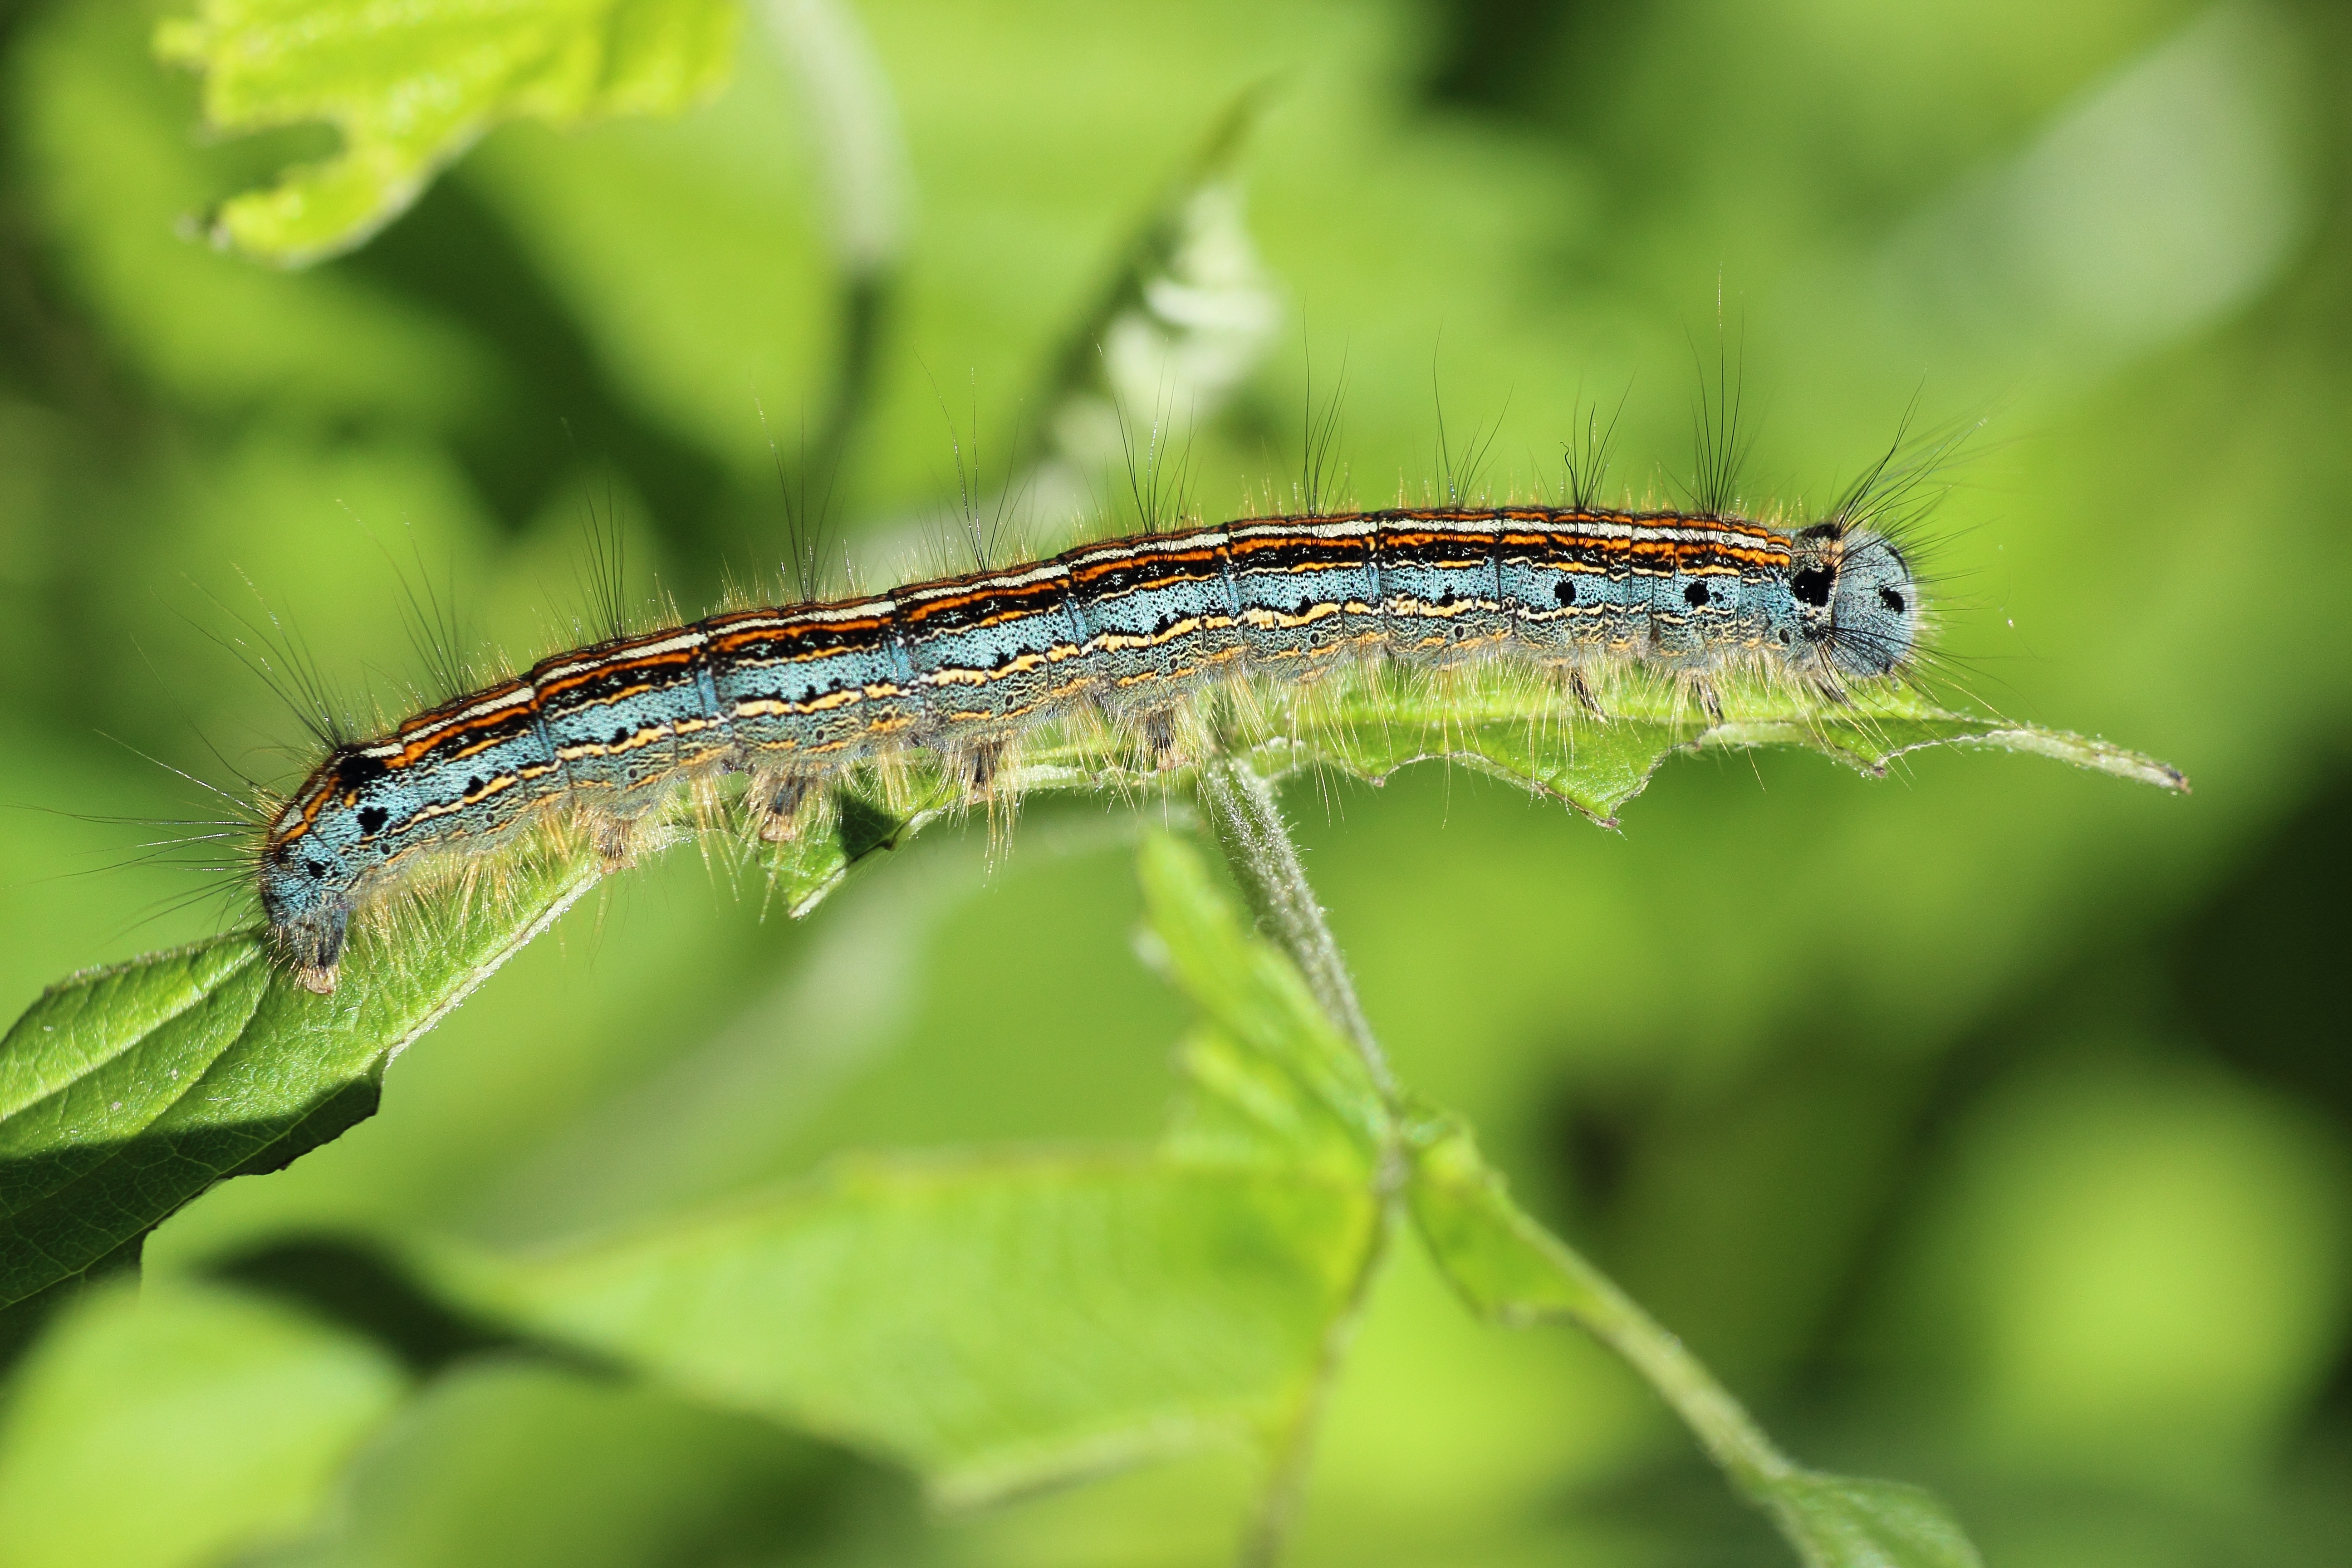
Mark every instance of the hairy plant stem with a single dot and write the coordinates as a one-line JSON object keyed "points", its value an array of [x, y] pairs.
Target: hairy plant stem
{"points": [[1242, 810]]}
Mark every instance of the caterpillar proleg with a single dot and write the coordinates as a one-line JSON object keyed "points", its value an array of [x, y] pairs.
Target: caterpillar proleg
{"points": [[1128, 628]]}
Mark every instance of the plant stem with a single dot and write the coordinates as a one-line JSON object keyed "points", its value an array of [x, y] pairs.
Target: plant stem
{"points": [[1247, 819], [1722, 1425]]}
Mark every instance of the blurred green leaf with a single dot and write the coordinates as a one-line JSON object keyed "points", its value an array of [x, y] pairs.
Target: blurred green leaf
{"points": [[1506, 1266], [169, 1427], [413, 86], [514, 1464], [1003, 1321], [996, 1322], [1239, 1107], [109, 165], [1188, 314], [1510, 1268]]}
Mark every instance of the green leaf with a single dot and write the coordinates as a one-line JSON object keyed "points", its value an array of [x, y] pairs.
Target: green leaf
{"points": [[127, 1092], [995, 1324], [1509, 1269], [858, 819], [108, 161], [412, 86], [1504, 1265], [1515, 725], [1238, 1107], [173, 1425]]}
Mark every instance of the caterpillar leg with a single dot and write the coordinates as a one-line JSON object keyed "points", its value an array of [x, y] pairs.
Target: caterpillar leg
{"points": [[982, 764], [1702, 691], [1581, 687], [614, 840], [1157, 729], [777, 803]]}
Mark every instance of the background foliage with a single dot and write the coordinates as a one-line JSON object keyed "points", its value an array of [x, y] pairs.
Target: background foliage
{"points": [[1987, 1127]]}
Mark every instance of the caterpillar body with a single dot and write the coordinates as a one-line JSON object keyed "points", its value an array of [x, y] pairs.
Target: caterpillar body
{"points": [[963, 666]]}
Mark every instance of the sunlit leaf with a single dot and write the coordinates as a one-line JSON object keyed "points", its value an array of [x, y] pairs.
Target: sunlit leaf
{"points": [[125, 1093], [412, 86], [108, 159], [1510, 725]]}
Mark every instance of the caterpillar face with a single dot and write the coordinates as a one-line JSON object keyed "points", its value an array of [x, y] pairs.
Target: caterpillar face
{"points": [[299, 879], [308, 919], [1858, 599], [307, 878]]}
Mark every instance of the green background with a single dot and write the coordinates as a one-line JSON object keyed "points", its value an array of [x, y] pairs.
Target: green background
{"points": [[1988, 1126]]}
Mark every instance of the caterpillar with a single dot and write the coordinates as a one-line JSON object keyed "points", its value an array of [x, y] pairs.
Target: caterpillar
{"points": [[1130, 627]]}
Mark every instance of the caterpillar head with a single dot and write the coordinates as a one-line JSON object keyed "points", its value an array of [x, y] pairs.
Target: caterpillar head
{"points": [[309, 927], [1857, 599], [306, 881]]}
